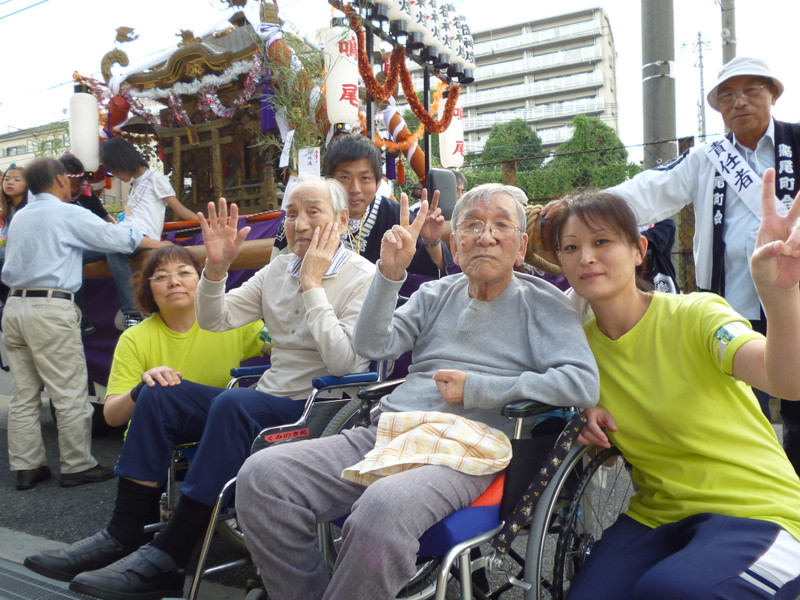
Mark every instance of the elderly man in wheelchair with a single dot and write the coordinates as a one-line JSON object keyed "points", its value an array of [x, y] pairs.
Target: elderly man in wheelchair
{"points": [[479, 339], [309, 300]]}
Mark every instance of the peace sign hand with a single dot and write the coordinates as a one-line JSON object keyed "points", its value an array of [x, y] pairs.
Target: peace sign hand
{"points": [[776, 259], [399, 244]]}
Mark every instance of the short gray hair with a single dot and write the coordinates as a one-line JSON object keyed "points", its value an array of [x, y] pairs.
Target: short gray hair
{"points": [[484, 193], [337, 193]]}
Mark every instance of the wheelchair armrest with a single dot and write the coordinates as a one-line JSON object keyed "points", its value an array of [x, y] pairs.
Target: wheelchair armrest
{"points": [[525, 408], [329, 381], [375, 392], [253, 371]]}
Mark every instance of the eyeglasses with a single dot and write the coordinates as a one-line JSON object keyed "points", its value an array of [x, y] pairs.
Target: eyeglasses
{"points": [[501, 230], [751, 91], [182, 275]]}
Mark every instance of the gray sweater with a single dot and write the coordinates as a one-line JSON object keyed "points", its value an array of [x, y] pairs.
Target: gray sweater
{"points": [[527, 343]]}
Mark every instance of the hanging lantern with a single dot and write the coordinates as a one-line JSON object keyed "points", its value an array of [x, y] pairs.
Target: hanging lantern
{"points": [[380, 10], [456, 69], [398, 20], [84, 127], [341, 77], [469, 55], [451, 140], [416, 25], [430, 50]]}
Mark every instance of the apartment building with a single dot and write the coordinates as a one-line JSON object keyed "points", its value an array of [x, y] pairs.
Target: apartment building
{"points": [[545, 72]]}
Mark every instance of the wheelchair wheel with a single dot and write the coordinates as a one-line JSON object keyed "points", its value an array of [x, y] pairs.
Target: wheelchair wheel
{"points": [[422, 584], [589, 491]]}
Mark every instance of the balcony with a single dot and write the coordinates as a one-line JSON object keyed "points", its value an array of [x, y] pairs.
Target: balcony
{"points": [[541, 112], [561, 33], [537, 88], [535, 63]]}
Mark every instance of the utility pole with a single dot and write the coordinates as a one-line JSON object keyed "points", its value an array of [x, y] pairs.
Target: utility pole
{"points": [[728, 30], [658, 82], [701, 104]]}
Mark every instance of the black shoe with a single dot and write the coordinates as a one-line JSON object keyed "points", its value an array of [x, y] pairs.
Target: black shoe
{"points": [[147, 574], [96, 474], [28, 478], [94, 552]]}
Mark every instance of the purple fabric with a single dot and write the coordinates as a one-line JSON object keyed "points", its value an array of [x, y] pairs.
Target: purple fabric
{"points": [[268, 120], [100, 298], [391, 168]]}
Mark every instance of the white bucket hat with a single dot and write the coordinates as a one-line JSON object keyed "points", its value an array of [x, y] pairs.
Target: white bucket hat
{"points": [[743, 65]]}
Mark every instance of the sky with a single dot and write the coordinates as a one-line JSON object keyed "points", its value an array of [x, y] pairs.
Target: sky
{"points": [[44, 41]]}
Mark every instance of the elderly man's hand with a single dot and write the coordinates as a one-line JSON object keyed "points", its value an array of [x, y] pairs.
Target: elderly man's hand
{"points": [[450, 383], [434, 223], [221, 239], [319, 256], [399, 244]]}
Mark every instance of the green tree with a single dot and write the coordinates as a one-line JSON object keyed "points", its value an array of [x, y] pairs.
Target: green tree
{"points": [[52, 139], [593, 157], [513, 140]]}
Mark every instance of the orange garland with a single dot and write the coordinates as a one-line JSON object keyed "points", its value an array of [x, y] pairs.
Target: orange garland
{"points": [[406, 144], [397, 69]]}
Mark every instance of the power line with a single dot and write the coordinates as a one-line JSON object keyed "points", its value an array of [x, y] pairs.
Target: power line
{"points": [[22, 9]]}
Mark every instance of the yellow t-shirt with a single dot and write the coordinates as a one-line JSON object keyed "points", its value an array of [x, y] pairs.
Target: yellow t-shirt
{"points": [[201, 356], [696, 438]]}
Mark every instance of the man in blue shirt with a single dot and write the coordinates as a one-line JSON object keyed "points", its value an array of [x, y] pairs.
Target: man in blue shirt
{"points": [[41, 324]]}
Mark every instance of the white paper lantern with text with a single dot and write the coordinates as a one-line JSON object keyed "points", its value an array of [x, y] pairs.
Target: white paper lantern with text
{"points": [[341, 75], [84, 128], [451, 140]]}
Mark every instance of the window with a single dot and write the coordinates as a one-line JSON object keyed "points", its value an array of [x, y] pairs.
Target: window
{"points": [[15, 150]]}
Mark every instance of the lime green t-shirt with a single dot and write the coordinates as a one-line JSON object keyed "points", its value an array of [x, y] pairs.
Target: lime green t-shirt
{"points": [[201, 356], [696, 438]]}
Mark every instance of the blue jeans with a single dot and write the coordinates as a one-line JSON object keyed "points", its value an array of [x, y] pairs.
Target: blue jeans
{"points": [[167, 416], [123, 274]]}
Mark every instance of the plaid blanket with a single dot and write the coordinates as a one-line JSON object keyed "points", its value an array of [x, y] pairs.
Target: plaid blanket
{"points": [[406, 440]]}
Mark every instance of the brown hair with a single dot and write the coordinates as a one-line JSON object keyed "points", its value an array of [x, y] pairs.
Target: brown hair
{"points": [[166, 254], [595, 207]]}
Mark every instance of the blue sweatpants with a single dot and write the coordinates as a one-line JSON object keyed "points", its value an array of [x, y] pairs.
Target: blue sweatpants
{"points": [[225, 422], [705, 556]]}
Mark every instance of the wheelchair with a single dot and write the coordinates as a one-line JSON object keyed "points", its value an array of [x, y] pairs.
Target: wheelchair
{"points": [[318, 411], [585, 495]]}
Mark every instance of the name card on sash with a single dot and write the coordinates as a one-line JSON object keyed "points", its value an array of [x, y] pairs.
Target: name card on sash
{"points": [[740, 177]]}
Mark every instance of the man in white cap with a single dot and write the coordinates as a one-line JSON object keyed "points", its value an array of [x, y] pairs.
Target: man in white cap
{"points": [[722, 181]]}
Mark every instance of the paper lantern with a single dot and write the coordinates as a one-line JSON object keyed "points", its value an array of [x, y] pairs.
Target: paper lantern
{"points": [[398, 19], [430, 38], [340, 52], [84, 127], [469, 54], [379, 11], [451, 140], [416, 24]]}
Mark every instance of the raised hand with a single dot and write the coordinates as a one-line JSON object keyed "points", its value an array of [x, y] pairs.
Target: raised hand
{"points": [[399, 244], [221, 239], [433, 227], [319, 256], [776, 259]]}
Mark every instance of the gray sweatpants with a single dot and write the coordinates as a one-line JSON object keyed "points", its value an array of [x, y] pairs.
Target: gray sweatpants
{"points": [[282, 492]]}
